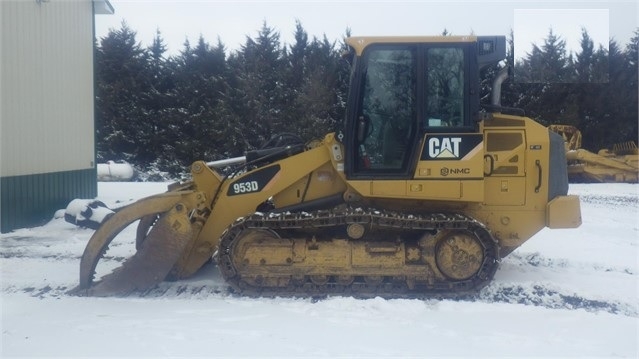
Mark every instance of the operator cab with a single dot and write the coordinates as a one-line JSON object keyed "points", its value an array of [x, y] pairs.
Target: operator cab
{"points": [[402, 88]]}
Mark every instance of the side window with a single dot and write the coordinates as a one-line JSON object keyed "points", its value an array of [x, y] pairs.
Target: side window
{"points": [[388, 110], [444, 87]]}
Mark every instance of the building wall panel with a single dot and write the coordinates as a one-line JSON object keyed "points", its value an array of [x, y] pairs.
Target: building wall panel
{"points": [[47, 86], [47, 148]]}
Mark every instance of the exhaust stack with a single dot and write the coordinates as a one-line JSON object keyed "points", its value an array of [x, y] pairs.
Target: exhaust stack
{"points": [[496, 90]]}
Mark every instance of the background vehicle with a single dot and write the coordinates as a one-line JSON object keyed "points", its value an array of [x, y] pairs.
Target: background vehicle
{"points": [[421, 192], [619, 164]]}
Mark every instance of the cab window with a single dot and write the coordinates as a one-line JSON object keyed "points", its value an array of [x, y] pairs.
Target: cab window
{"points": [[388, 109], [445, 105]]}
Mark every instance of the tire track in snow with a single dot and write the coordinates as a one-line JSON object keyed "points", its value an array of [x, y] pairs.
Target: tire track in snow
{"points": [[539, 295], [542, 296], [536, 259]]}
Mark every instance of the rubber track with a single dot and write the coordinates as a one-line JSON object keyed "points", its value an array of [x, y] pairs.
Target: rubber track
{"points": [[374, 219]]}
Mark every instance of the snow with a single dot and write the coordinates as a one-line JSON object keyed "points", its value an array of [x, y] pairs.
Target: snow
{"points": [[571, 292], [80, 211]]}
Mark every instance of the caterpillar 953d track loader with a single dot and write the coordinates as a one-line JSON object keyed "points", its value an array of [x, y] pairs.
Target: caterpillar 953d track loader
{"points": [[422, 192]]}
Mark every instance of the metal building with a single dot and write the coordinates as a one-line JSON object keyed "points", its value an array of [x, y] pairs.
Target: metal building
{"points": [[47, 137]]}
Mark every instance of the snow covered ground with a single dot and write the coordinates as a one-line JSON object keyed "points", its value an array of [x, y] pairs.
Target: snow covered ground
{"points": [[564, 293]]}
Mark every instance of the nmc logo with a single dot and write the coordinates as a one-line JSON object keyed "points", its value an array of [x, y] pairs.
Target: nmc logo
{"points": [[450, 147]]}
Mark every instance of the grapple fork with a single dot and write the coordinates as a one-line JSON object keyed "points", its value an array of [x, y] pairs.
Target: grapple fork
{"points": [[174, 232]]}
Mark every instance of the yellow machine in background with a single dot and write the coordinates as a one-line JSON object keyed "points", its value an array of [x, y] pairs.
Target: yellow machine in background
{"points": [[619, 164], [421, 192]]}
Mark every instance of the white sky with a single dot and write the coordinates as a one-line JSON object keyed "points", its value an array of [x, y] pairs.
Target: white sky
{"points": [[232, 21], [533, 26]]}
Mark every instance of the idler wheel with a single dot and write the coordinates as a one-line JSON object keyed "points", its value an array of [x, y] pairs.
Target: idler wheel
{"points": [[459, 255]]}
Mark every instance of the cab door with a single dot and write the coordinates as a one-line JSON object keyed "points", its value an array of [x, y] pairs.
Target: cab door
{"points": [[386, 112]]}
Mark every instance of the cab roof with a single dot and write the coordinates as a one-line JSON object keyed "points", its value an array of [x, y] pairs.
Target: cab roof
{"points": [[358, 43]]}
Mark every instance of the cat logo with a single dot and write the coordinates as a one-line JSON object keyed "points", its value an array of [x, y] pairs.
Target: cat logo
{"points": [[445, 147], [456, 147]]}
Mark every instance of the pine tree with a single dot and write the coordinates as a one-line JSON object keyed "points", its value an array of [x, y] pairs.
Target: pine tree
{"points": [[632, 70], [584, 66], [632, 56], [546, 64], [316, 86], [512, 90], [122, 87], [258, 68], [296, 57], [202, 104], [318, 94], [198, 122], [295, 75], [612, 115], [159, 99]]}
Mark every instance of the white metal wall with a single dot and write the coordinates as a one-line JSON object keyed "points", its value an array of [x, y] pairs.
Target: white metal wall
{"points": [[46, 86]]}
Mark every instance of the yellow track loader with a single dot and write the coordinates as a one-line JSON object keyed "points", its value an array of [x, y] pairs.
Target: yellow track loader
{"points": [[619, 164], [422, 191]]}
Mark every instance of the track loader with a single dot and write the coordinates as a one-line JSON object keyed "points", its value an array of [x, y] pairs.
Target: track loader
{"points": [[421, 193], [609, 165]]}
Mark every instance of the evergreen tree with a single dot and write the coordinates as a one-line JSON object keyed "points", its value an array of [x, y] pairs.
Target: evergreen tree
{"points": [[632, 56], [318, 95], [546, 64], [591, 66], [621, 97], [296, 57], [122, 87], [295, 75], [157, 102], [608, 111], [163, 112], [632, 52], [343, 76], [317, 86], [512, 89], [547, 89], [591, 72], [584, 65], [258, 68], [198, 122]]}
